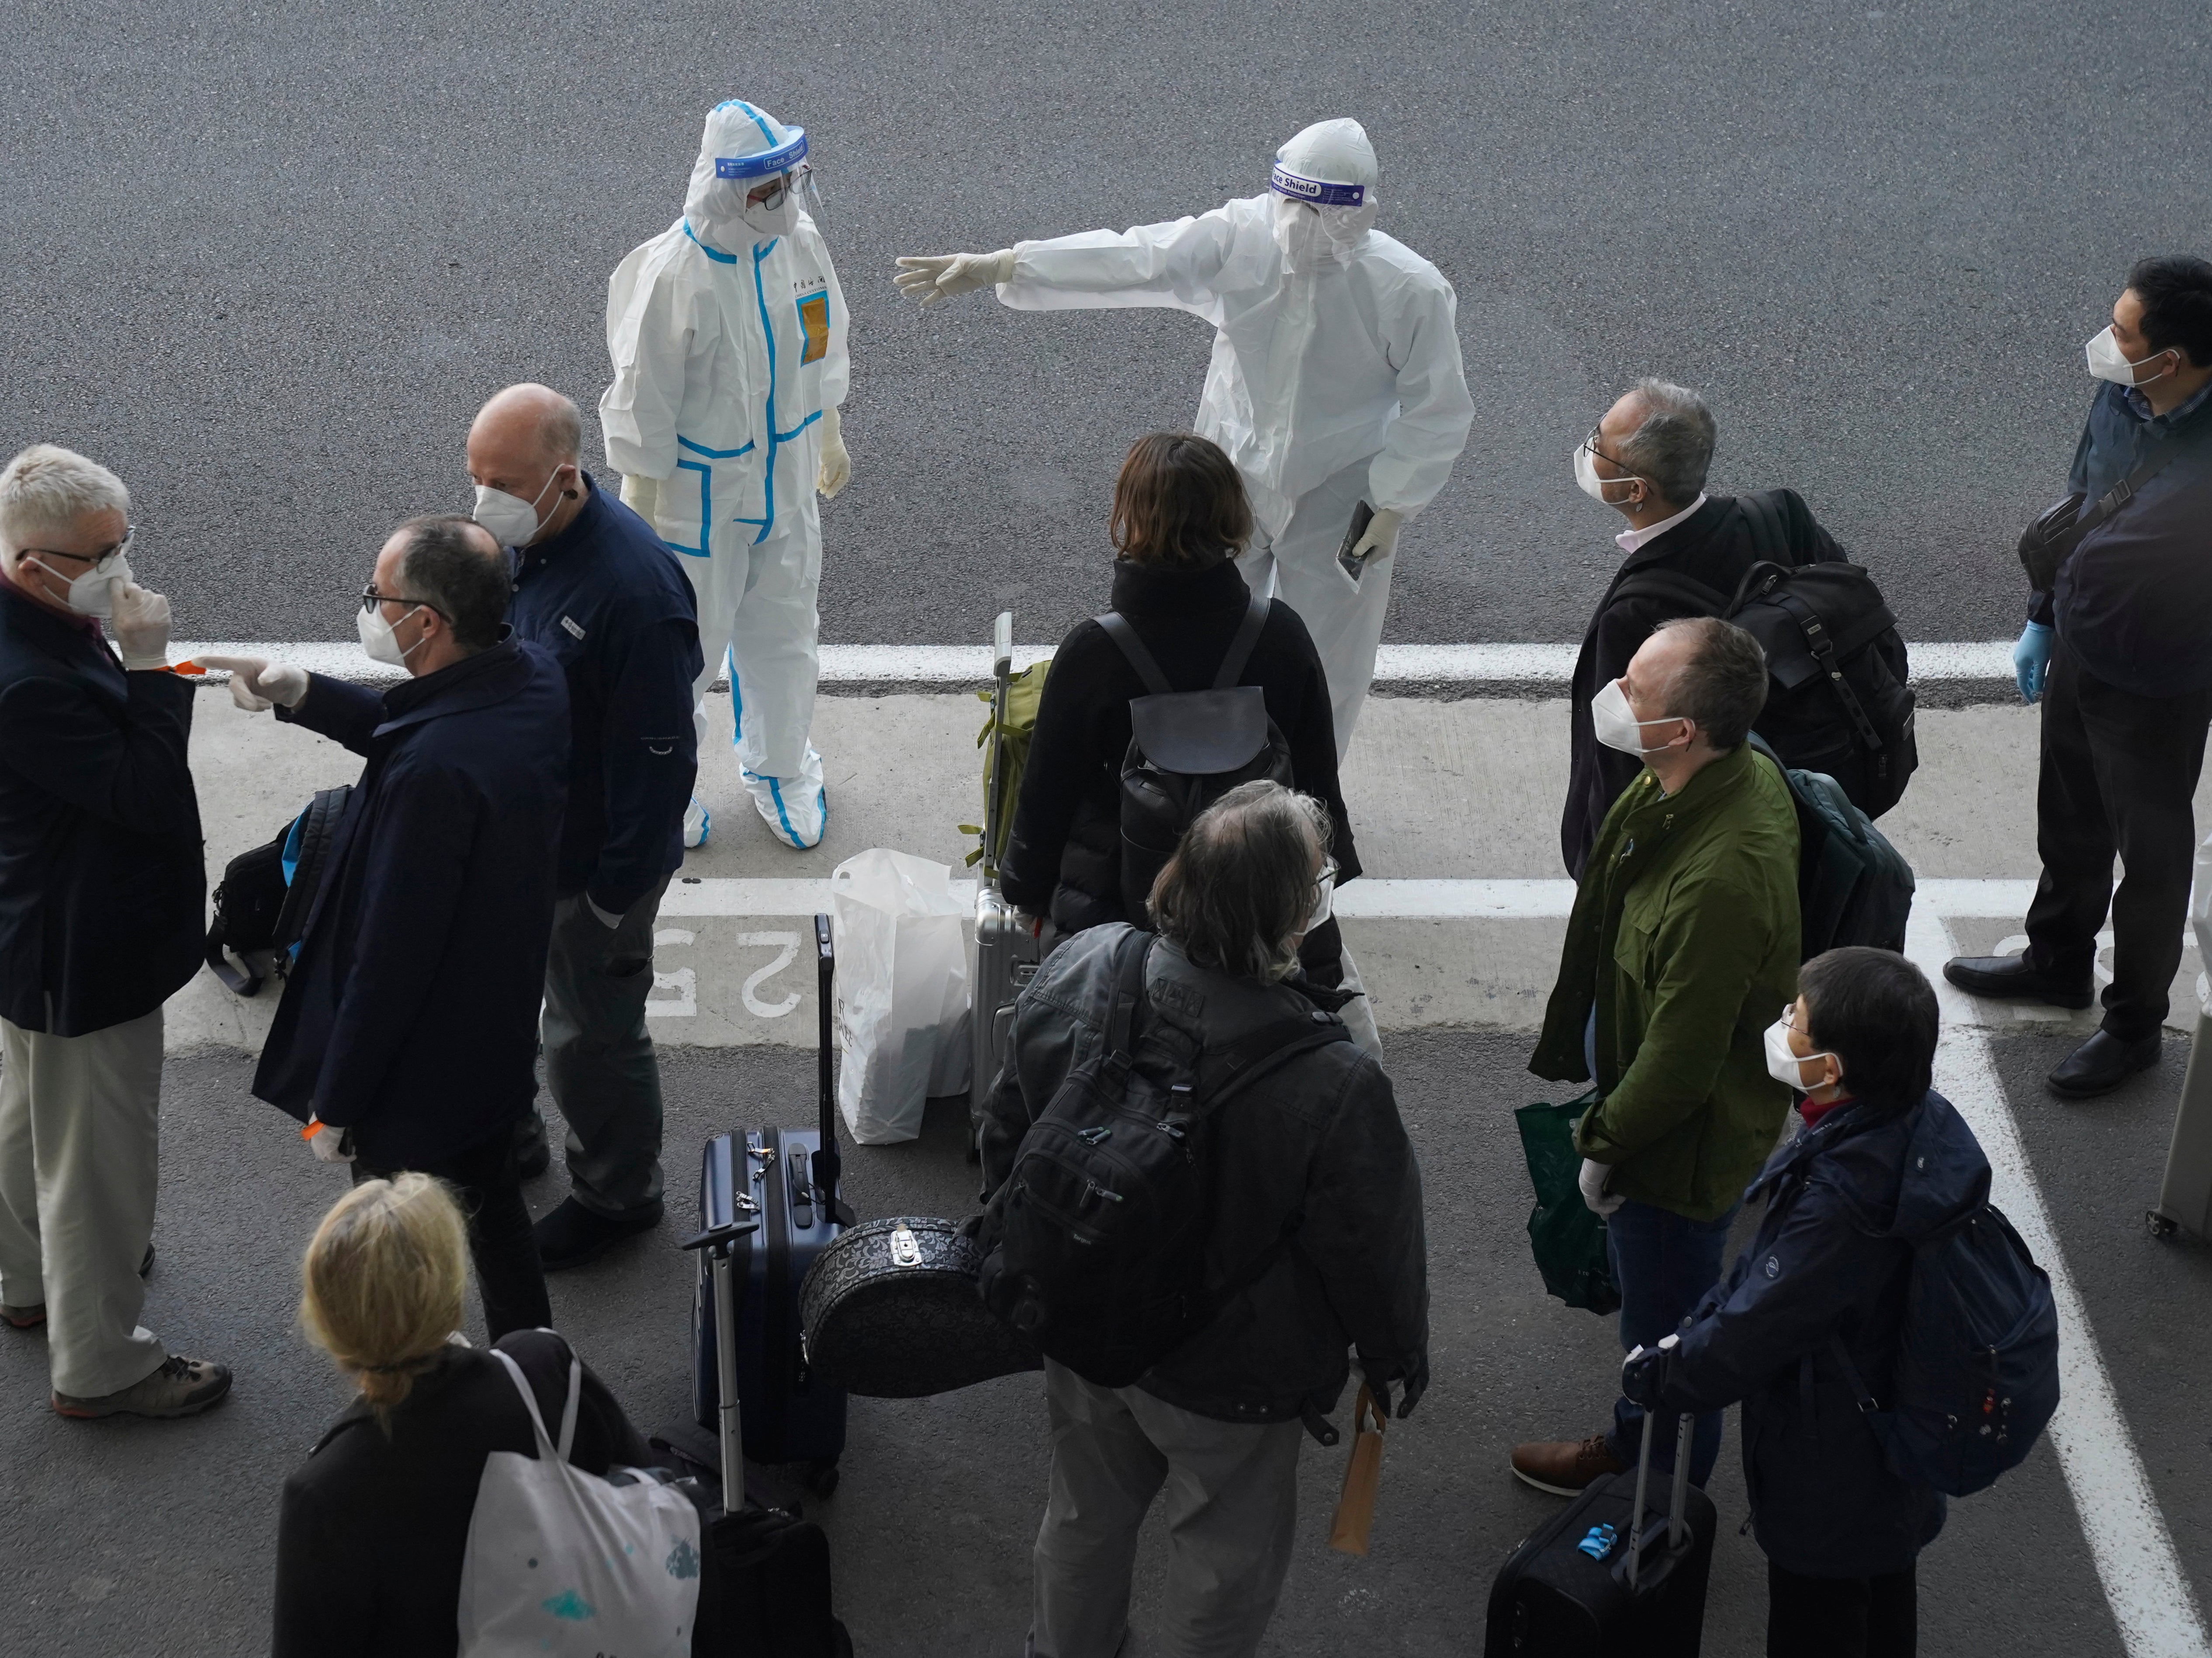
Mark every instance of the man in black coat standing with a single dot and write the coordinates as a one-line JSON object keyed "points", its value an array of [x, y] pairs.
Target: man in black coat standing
{"points": [[408, 1034], [1686, 553], [101, 919]]}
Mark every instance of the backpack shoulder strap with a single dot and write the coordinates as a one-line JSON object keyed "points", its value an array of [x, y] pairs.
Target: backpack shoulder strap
{"points": [[2120, 494], [1130, 959], [1770, 536], [1125, 639], [1240, 648]]}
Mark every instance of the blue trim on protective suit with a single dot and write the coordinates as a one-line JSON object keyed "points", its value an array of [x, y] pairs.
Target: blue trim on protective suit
{"points": [[714, 253], [740, 103], [704, 549]]}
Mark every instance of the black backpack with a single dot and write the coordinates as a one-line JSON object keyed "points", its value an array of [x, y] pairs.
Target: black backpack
{"points": [[1853, 887], [1837, 697], [1187, 749], [262, 902], [1096, 1241]]}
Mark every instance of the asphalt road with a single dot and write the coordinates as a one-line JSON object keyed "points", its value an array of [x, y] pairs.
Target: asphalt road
{"points": [[267, 260], [144, 1537]]}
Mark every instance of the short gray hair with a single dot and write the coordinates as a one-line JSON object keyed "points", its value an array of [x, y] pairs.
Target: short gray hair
{"points": [[1235, 894], [1673, 445], [1723, 684], [45, 490]]}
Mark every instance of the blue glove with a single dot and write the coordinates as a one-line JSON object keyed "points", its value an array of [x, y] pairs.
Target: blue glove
{"points": [[1644, 1374], [2031, 661]]}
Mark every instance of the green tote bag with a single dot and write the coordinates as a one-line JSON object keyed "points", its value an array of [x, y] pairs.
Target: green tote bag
{"points": [[1568, 1238]]}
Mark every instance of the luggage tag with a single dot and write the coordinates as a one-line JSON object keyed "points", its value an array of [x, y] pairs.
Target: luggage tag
{"points": [[1363, 1478]]}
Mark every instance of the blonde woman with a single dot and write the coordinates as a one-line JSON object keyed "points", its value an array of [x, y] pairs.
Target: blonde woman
{"points": [[375, 1526]]}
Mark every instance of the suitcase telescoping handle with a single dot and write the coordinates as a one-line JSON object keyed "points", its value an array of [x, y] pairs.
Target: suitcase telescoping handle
{"points": [[1002, 668], [829, 1161], [1678, 1530], [720, 1243]]}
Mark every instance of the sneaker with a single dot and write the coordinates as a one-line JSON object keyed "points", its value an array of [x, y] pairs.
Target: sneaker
{"points": [[181, 1386], [1565, 1467], [573, 1234], [698, 822], [795, 809]]}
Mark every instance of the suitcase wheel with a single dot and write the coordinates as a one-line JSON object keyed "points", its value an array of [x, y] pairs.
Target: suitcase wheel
{"points": [[2161, 1226], [821, 1477]]}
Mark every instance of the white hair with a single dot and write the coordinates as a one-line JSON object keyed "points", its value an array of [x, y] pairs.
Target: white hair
{"points": [[45, 490]]}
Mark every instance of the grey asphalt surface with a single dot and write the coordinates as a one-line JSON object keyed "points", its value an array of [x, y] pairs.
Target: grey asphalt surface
{"points": [[142, 1537], [267, 261]]}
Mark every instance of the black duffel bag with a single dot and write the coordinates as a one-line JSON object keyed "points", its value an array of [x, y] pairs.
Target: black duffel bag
{"points": [[262, 901]]}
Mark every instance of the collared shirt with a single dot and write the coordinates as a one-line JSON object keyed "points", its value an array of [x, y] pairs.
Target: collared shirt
{"points": [[1629, 540]]}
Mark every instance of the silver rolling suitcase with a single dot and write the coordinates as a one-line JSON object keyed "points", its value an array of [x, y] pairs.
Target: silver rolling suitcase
{"points": [[2184, 1200], [1006, 949]]}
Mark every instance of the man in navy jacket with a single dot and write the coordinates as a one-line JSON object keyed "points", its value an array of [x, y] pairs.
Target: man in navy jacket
{"points": [[101, 891], [408, 1034], [595, 588]]}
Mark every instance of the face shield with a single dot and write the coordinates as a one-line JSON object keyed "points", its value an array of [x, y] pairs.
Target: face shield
{"points": [[1319, 221], [729, 175]]}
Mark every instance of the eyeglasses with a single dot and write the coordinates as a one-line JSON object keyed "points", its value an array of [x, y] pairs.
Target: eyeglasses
{"points": [[119, 550], [1590, 444], [370, 599]]}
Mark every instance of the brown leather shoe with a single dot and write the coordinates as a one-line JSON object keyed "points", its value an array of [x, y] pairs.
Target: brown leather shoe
{"points": [[1563, 1467]]}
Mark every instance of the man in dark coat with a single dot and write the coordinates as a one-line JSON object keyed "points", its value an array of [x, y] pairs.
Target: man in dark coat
{"points": [[1647, 460], [101, 891], [408, 1034], [1883, 1162]]}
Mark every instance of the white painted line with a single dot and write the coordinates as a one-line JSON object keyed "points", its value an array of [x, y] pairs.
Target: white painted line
{"points": [[1544, 665], [2129, 1542], [1366, 899]]}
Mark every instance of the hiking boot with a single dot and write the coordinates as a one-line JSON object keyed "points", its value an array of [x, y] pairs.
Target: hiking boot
{"points": [[2013, 978], [181, 1386], [1565, 1467], [573, 1234]]}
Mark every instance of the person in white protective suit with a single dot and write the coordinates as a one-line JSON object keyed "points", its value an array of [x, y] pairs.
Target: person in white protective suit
{"points": [[728, 336], [1336, 376]]}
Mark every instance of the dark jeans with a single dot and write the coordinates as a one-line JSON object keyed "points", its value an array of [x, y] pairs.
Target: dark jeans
{"points": [[600, 1066], [2118, 772], [485, 1179], [1841, 1617], [1663, 1262]]}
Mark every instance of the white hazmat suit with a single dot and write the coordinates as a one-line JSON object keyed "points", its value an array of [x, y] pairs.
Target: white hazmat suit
{"points": [[1336, 373], [728, 336]]}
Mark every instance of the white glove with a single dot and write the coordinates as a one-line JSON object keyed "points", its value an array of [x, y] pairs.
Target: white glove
{"points": [[1382, 537], [1592, 1181], [943, 275], [835, 470], [141, 619], [328, 1144], [256, 683], [641, 495]]}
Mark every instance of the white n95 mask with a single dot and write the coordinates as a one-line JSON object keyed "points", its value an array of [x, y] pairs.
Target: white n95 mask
{"points": [[1591, 484], [776, 217], [377, 638], [2108, 362], [92, 593], [511, 520], [1615, 724], [1783, 1063]]}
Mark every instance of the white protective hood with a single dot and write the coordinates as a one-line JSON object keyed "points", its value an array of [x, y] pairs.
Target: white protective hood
{"points": [[743, 145], [1330, 169]]}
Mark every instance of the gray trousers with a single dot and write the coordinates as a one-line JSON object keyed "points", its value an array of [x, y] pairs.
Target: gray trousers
{"points": [[600, 1066], [79, 1161], [1232, 1504]]}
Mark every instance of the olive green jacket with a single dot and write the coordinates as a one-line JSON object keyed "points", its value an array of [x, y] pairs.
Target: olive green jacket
{"points": [[1685, 932]]}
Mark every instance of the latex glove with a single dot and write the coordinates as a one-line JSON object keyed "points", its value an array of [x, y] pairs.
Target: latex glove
{"points": [[256, 683], [1416, 1382], [1592, 1181], [2031, 661], [327, 1143], [835, 470], [1643, 1373], [932, 277], [607, 919], [1382, 537], [141, 620], [641, 495]]}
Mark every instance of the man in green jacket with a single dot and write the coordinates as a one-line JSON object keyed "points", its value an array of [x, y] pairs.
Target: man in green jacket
{"points": [[1681, 950]]}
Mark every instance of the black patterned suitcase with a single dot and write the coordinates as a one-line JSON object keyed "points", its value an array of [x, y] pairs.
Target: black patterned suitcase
{"points": [[891, 1311]]}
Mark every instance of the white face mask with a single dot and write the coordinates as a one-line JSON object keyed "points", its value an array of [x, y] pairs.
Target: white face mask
{"points": [[511, 520], [92, 593], [2107, 363], [1592, 485], [378, 640], [777, 216], [1615, 723], [1783, 1063]]}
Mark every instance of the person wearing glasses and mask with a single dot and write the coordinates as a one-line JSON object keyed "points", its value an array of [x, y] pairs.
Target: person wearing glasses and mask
{"points": [[101, 919], [407, 1038], [1647, 460]]}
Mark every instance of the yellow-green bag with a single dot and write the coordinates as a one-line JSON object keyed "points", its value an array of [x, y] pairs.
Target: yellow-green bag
{"points": [[1013, 723]]}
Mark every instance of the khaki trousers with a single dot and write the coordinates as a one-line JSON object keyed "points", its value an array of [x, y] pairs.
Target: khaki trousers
{"points": [[80, 1160], [1232, 1508]]}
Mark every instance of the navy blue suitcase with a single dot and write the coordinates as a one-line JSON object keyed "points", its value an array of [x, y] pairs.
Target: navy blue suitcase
{"points": [[788, 1181]]}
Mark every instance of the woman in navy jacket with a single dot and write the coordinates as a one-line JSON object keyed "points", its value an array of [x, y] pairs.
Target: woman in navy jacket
{"points": [[1883, 1161]]}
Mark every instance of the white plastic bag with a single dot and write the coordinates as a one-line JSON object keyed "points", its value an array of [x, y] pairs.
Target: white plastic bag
{"points": [[902, 990], [560, 1561]]}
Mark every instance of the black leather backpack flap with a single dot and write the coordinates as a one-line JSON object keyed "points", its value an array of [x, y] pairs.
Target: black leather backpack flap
{"points": [[1201, 733], [1835, 601]]}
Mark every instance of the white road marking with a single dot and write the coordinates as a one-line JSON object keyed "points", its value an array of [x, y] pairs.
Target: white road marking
{"points": [[2133, 1551]]}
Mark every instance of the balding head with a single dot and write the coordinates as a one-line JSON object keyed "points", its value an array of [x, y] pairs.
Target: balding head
{"points": [[528, 442]]}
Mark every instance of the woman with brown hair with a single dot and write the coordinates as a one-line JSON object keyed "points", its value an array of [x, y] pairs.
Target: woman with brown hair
{"points": [[1180, 519], [374, 1526]]}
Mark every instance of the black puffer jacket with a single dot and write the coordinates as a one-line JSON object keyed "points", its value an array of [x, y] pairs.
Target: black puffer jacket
{"points": [[1064, 856], [1315, 1147]]}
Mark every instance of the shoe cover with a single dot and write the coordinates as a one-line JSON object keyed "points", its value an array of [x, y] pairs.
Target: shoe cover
{"points": [[697, 823], [795, 809]]}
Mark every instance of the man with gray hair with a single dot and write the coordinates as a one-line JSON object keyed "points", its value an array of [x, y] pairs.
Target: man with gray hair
{"points": [[101, 919], [1687, 553], [1314, 1243]]}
